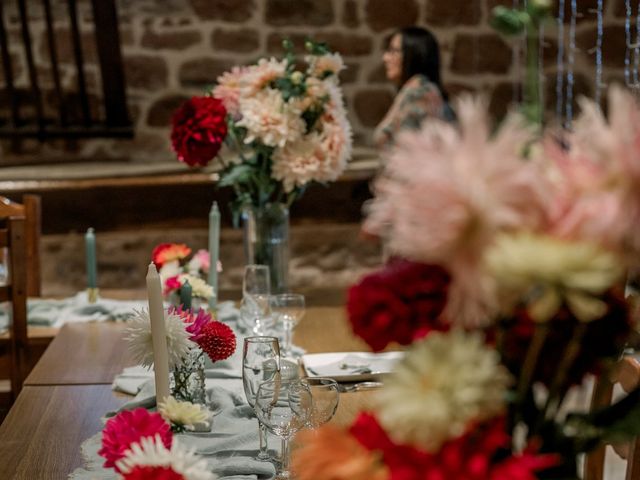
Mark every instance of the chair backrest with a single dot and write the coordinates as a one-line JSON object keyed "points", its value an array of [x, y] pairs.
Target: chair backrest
{"points": [[47, 102], [627, 374], [31, 210], [14, 291]]}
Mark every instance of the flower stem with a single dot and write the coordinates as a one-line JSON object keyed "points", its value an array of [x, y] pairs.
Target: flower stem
{"points": [[554, 399]]}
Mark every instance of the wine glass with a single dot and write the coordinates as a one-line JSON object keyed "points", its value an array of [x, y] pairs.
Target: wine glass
{"points": [[260, 363], [289, 307], [256, 290], [284, 408], [325, 396]]}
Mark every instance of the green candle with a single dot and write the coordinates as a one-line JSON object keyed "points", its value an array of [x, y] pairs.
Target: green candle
{"points": [[214, 249], [90, 252], [186, 293]]}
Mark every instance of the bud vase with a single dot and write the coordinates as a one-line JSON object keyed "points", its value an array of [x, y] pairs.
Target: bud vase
{"points": [[187, 381], [266, 241]]}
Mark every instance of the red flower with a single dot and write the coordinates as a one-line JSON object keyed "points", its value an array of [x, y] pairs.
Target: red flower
{"points": [[129, 427], [217, 340], [480, 454], [152, 473], [167, 252], [171, 284], [199, 127], [603, 338], [400, 303]]}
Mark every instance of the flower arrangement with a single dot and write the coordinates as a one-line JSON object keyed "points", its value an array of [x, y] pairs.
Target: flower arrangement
{"points": [[184, 331], [140, 445], [511, 290], [282, 126], [175, 267]]}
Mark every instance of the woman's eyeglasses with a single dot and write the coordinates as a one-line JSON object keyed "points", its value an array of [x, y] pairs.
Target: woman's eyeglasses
{"points": [[393, 51]]}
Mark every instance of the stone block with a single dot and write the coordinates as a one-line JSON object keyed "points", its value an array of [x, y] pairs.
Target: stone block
{"points": [[146, 72], [613, 44], [301, 12], [452, 13], [243, 41], [350, 73], [483, 53], [502, 99], [371, 105], [583, 85], [176, 40], [383, 14], [347, 44], [226, 10], [64, 46], [350, 14], [161, 111], [203, 72], [378, 75]]}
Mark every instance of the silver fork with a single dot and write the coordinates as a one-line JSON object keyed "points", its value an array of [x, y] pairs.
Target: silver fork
{"points": [[356, 387]]}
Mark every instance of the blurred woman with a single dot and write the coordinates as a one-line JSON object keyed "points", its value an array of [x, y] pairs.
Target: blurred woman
{"points": [[412, 63]]}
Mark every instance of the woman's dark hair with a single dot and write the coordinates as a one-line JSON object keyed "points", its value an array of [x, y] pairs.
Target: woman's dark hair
{"points": [[420, 55]]}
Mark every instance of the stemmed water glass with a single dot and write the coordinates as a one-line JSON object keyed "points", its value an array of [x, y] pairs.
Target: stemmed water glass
{"points": [[325, 395], [260, 363], [256, 292], [289, 307], [284, 408]]}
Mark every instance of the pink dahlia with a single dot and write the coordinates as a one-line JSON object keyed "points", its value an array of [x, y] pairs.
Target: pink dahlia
{"points": [[129, 427], [448, 191]]}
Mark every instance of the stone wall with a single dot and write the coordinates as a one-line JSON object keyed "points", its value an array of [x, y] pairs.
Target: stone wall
{"points": [[176, 48]]}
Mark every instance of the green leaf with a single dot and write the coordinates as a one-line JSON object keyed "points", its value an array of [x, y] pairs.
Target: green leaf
{"points": [[614, 423], [236, 174], [508, 21]]}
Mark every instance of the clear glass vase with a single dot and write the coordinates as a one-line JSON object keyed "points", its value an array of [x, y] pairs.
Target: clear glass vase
{"points": [[187, 381], [266, 241]]}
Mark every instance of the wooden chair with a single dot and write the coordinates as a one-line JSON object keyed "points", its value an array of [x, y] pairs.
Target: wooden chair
{"points": [[627, 374], [14, 291], [31, 210]]}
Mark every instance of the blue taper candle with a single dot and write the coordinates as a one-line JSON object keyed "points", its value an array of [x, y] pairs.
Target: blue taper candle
{"points": [[186, 293], [214, 252], [90, 252]]}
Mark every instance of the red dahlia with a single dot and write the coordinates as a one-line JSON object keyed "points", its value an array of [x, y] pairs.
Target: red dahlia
{"points": [[155, 473], [401, 302], [199, 127], [217, 340]]}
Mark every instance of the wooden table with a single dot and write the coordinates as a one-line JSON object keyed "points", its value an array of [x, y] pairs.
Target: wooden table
{"points": [[83, 354], [69, 390]]}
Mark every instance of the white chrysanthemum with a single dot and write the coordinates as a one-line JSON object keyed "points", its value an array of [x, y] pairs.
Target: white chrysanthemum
{"points": [[138, 334], [554, 271], [269, 119], [199, 288], [183, 414], [151, 452], [444, 383]]}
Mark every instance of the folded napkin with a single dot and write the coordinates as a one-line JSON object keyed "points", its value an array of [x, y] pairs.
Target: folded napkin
{"points": [[55, 313]]}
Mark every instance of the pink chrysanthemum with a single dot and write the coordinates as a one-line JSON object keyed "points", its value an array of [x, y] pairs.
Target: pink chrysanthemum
{"points": [[449, 191], [129, 427], [195, 322], [167, 252]]}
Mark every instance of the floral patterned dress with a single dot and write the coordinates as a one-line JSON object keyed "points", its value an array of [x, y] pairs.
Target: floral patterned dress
{"points": [[417, 99]]}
